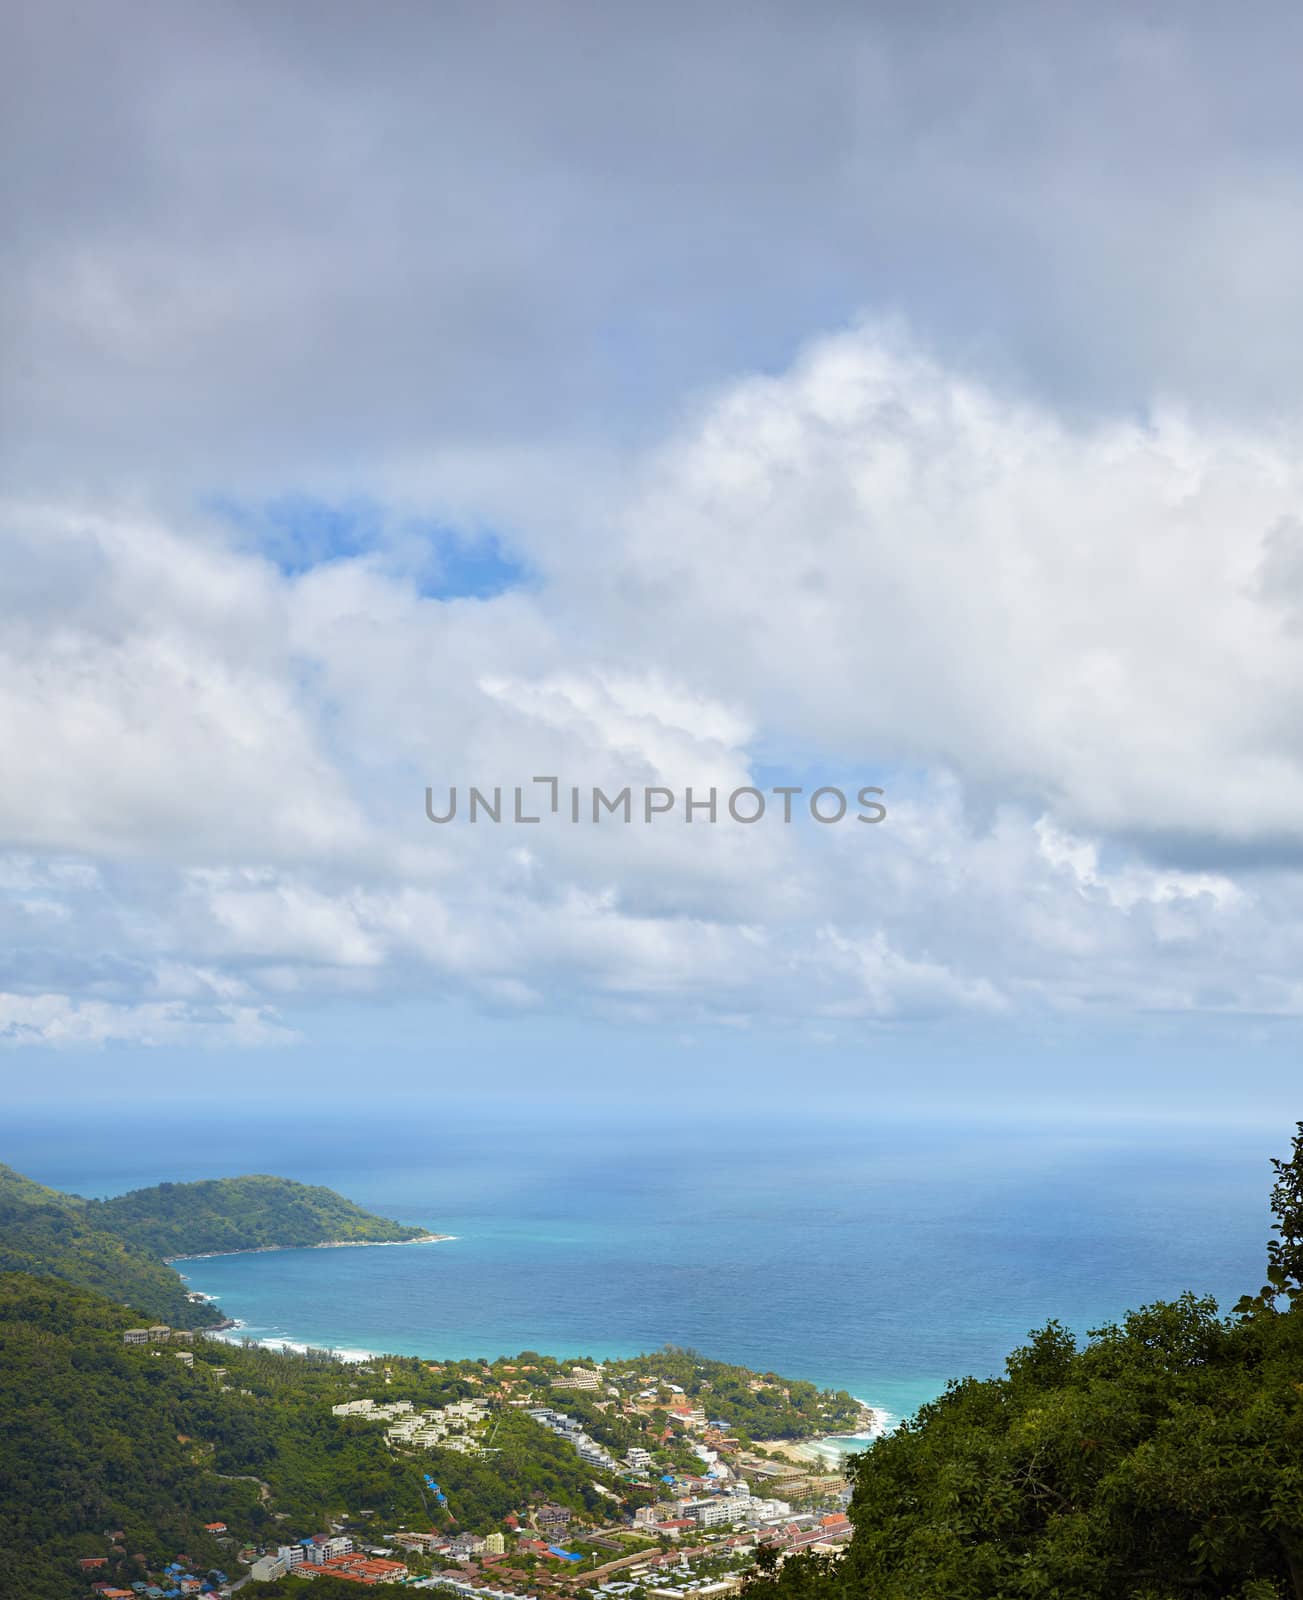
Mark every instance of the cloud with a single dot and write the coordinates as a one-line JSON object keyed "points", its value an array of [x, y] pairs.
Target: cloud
{"points": [[57, 1020], [252, 248], [874, 553], [199, 848]]}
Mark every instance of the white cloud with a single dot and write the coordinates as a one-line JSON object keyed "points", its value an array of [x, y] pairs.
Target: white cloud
{"points": [[881, 556], [56, 1019], [1069, 651]]}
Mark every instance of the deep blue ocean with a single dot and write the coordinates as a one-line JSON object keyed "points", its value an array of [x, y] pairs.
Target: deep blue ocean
{"points": [[882, 1257]]}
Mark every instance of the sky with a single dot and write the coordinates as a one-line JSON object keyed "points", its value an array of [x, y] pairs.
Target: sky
{"points": [[398, 398]]}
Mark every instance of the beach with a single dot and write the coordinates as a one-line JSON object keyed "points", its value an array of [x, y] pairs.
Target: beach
{"points": [[324, 1244]]}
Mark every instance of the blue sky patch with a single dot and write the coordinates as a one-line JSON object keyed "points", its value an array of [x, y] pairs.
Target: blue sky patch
{"points": [[298, 532]]}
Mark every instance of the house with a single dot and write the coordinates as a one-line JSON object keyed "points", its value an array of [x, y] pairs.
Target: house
{"points": [[214, 1527], [365, 1569], [553, 1519], [92, 1563], [580, 1378], [266, 1568]]}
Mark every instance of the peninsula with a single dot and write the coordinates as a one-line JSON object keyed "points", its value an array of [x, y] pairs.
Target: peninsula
{"points": [[122, 1247]]}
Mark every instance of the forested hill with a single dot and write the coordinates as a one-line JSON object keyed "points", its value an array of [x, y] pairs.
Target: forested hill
{"points": [[119, 1247], [99, 1435], [252, 1213], [1163, 1457], [51, 1234]]}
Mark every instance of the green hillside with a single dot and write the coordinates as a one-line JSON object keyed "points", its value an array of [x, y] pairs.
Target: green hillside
{"points": [[90, 1442], [119, 1247], [100, 1436], [1162, 1458], [252, 1213], [52, 1234]]}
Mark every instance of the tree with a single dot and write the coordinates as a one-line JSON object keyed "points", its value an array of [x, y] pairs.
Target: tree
{"points": [[1284, 1254], [1163, 1457]]}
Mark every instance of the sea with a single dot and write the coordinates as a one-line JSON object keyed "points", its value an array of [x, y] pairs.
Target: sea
{"points": [[883, 1256]]}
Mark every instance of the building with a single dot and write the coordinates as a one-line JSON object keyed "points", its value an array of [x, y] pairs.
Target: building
{"points": [[266, 1568], [136, 1336], [495, 1544], [320, 1550], [553, 1520], [184, 1357], [365, 1569], [293, 1555], [580, 1378], [638, 1458], [160, 1333], [713, 1512]]}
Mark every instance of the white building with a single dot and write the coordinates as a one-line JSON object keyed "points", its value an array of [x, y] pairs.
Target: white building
{"points": [[266, 1568], [580, 1378], [638, 1458], [339, 1545], [711, 1513]]}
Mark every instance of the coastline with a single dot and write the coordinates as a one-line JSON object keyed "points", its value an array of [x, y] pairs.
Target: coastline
{"points": [[826, 1449], [324, 1244]]}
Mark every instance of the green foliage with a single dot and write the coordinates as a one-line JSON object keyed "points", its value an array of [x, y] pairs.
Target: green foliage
{"points": [[758, 1406], [529, 1463], [100, 1435], [252, 1213], [48, 1233], [1162, 1459], [1285, 1253], [114, 1246], [90, 1442]]}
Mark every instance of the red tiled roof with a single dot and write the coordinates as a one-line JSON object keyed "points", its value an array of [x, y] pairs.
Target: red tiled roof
{"points": [[363, 1569]]}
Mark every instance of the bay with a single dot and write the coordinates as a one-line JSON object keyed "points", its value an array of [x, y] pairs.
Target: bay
{"points": [[878, 1255]]}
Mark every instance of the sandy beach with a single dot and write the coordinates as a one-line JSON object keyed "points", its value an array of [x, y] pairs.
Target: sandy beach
{"points": [[325, 1244]]}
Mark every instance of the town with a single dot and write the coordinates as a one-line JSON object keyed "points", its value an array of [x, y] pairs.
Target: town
{"points": [[674, 1502]]}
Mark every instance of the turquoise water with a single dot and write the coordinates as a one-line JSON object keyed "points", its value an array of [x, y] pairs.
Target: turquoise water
{"points": [[882, 1259]]}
